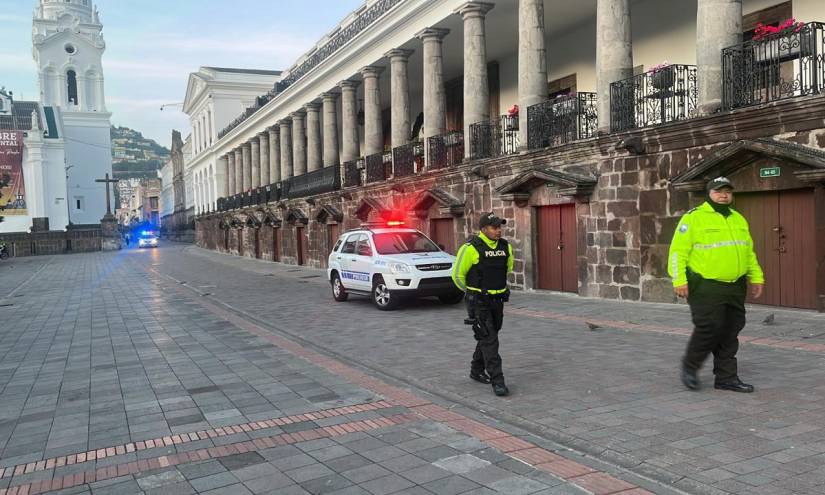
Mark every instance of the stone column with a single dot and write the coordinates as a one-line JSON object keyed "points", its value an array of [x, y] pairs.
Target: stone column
{"points": [[718, 25], [532, 61], [263, 138], [285, 128], [614, 53], [400, 96], [238, 170], [222, 177], [476, 84], [330, 130], [274, 154], [246, 152], [373, 129], [255, 158], [435, 98], [299, 143], [230, 157], [314, 157], [350, 147]]}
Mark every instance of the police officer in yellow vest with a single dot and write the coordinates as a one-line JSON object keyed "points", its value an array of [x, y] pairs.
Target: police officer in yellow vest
{"points": [[711, 260], [481, 269]]}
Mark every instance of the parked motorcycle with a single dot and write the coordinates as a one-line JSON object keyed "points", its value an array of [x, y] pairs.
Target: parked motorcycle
{"points": [[4, 251]]}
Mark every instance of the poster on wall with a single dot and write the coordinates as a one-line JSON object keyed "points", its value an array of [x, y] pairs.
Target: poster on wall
{"points": [[12, 188]]}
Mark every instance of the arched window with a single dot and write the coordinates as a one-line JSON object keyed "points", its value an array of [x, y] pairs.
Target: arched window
{"points": [[71, 80]]}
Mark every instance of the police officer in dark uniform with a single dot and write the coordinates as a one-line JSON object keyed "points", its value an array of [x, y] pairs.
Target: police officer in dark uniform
{"points": [[481, 269]]}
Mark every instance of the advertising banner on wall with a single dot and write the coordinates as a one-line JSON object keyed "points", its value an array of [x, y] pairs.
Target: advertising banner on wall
{"points": [[12, 188]]}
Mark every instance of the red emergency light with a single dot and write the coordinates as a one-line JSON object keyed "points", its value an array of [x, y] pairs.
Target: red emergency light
{"points": [[395, 223]]}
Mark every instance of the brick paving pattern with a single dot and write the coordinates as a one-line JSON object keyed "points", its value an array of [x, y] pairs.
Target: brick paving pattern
{"points": [[117, 380]]}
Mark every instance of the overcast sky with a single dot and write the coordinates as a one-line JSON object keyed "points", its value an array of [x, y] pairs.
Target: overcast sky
{"points": [[153, 45]]}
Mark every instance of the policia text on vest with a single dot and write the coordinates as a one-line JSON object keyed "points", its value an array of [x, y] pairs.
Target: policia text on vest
{"points": [[480, 270], [711, 259]]}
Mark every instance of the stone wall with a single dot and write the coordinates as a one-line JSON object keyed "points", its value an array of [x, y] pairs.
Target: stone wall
{"points": [[52, 242], [624, 226]]}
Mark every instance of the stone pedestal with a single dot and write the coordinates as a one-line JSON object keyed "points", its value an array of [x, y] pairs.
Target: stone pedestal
{"points": [[110, 235]]}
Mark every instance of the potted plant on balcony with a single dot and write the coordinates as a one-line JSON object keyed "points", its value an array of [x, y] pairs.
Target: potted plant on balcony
{"points": [[781, 43], [662, 76]]}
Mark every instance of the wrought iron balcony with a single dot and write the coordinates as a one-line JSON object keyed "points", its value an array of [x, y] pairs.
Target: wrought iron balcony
{"points": [[562, 120], [655, 97], [494, 137], [445, 150], [319, 181], [408, 159], [379, 167], [352, 173], [778, 66]]}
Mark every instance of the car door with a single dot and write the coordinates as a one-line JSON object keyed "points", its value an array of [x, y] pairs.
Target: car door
{"points": [[345, 257], [361, 266]]}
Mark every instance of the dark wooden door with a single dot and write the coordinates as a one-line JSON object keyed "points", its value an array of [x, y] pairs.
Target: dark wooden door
{"points": [[556, 248], [240, 241], [783, 229], [276, 244], [441, 230], [258, 243], [333, 231], [301, 245], [226, 240]]}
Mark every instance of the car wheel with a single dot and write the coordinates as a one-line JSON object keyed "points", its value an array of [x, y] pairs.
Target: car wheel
{"points": [[454, 298], [338, 291], [381, 295]]}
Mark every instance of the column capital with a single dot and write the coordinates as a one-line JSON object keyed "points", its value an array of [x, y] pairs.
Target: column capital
{"points": [[273, 129], [284, 122], [474, 9], [298, 114], [399, 53], [329, 96], [371, 71], [264, 133], [312, 107], [247, 144], [349, 84], [432, 34]]}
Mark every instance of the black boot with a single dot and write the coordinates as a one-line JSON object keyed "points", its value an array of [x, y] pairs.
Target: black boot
{"points": [[689, 379], [480, 377], [500, 389], [734, 385]]}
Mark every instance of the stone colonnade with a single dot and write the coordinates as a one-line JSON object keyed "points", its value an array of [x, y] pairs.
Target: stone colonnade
{"points": [[295, 146]]}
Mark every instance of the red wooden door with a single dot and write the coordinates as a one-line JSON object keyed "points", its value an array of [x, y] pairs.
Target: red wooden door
{"points": [[783, 229], [441, 230], [333, 232], [258, 243], [276, 244], [301, 245], [556, 248], [240, 241]]}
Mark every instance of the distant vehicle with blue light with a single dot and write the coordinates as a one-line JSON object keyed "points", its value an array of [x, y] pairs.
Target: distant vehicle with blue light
{"points": [[147, 239], [389, 262]]}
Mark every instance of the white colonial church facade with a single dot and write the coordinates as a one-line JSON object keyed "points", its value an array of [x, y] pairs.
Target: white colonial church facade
{"points": [[66, 138]]}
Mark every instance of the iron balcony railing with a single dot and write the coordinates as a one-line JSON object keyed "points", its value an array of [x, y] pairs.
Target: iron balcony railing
{"points": [[562, 120], [445, 150], [654, 97], [778, 66], [494, 137], [352, 173], [379, 167], [408, 159], [319, 181]]}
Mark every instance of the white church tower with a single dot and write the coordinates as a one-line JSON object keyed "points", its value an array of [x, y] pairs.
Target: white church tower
{"points": [[68, 48]]}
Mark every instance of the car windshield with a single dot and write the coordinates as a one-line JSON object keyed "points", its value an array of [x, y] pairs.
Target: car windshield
{"points": [[403, 242], [148, 236]]}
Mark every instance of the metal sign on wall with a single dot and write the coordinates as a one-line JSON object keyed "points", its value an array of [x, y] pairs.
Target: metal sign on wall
{"points": [[12, 187]]}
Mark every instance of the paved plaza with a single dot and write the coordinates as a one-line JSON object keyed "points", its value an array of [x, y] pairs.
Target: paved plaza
{"points": [[178, 370]]}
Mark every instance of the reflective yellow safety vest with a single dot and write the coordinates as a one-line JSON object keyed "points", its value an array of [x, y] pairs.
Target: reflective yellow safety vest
{"points": [[468, 259], [713, 246]]}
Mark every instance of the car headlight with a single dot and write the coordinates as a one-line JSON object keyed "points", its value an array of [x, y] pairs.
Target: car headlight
{"points": [[399, 268]]}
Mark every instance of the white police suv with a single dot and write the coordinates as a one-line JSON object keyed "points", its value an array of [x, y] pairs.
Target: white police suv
{"points": [[389, 262]]}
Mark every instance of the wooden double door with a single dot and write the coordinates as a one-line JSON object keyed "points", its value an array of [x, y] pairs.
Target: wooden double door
{"points": [[556, 248], [443, 234], [783, 230]]}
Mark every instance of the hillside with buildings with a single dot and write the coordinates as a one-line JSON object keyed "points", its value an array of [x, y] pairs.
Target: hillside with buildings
{"points": [[134, 155]]}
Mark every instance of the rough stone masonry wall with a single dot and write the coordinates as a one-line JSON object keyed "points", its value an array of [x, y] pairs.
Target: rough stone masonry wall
{"points": [[624, 227]]}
